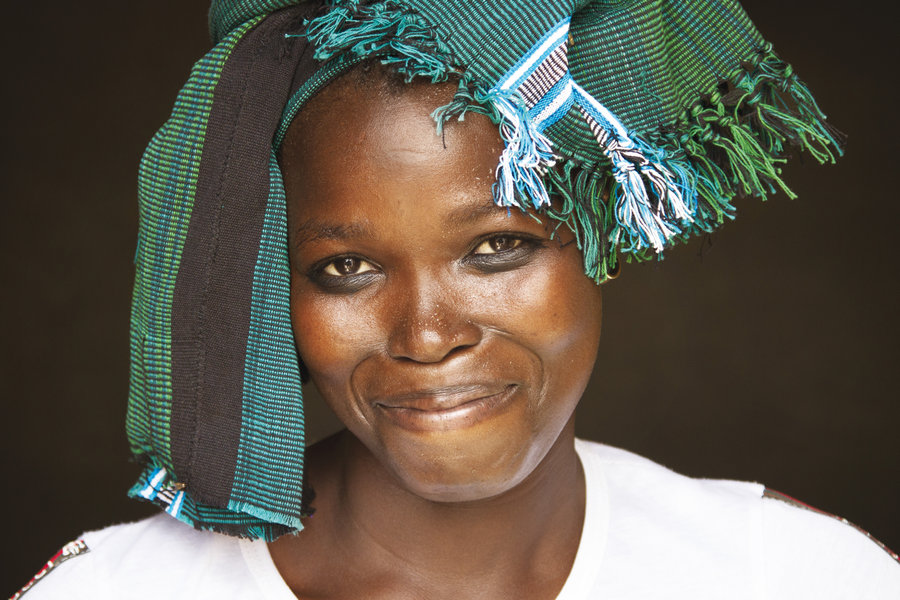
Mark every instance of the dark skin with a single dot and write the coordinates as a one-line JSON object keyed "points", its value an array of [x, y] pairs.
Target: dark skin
{"points": [[453, 339]]}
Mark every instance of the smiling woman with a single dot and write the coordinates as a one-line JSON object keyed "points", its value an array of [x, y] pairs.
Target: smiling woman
{"points": [[412, 206], [457, 392], [452, 393]]}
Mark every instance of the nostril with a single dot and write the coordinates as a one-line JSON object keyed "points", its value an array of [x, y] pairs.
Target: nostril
{"points": [[459, 350], [434, 338]]}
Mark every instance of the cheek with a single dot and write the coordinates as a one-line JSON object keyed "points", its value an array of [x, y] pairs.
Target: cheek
{"points": [[559, 320], [331, 336], [556, 309]]}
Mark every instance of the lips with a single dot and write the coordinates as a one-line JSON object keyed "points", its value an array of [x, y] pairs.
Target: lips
{"points": [[445, 408]]}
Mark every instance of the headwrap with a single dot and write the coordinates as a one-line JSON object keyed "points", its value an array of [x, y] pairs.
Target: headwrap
{"points": [[640, 119]]}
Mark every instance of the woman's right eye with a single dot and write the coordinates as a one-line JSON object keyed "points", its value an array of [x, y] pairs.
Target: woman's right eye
{"points": [[347, 265], [345, 274]]}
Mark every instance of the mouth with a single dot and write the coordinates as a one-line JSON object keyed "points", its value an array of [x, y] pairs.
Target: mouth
{"points": [[447, 408]]}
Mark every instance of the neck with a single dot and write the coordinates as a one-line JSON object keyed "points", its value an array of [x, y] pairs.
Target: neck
{"points": [[522, 541]]}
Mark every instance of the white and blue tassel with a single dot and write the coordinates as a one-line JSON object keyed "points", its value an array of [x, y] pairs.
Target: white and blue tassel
{"points": [[653, 199]]}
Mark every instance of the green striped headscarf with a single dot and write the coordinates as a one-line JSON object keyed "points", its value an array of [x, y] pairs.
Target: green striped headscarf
{"points": [[640, 119]]}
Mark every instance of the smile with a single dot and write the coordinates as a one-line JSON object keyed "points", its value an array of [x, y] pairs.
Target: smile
{"points": [[446, 408]]}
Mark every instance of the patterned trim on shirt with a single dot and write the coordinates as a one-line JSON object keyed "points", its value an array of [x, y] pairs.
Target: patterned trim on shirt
{"points": [[70, 550]]}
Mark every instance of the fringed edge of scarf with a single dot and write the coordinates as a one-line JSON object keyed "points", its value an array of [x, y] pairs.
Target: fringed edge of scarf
{"points": [[730, 142], [240, 519], [398, 35]]}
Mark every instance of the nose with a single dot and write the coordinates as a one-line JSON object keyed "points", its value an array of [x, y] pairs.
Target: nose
{"points": [[431, 323]]}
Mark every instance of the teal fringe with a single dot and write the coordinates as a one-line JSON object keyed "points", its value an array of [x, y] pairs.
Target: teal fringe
{"points": [[464, 101], [731, 142], [401, 38], [387, 29], [582, 203]]}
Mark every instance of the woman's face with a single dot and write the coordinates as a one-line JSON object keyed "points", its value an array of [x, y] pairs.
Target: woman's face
{"points": [[452, 337]]}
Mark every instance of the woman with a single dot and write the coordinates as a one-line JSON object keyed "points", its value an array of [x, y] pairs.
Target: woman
{"points": [[452, 336]]}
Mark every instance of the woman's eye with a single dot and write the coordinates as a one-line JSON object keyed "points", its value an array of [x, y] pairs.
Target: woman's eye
{"points": [[347, 265], [498, 244], [503, 252], [343, 275]]}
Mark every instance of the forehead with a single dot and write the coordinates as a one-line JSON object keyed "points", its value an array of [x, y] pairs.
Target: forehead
{"points": [[356, 133]]}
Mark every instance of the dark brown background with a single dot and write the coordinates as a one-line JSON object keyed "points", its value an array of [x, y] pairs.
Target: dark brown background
{"points": [[767, 353]]}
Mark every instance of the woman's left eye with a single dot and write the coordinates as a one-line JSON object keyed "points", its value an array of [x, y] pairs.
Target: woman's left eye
{"points": [[498, 244], [502, 252]]}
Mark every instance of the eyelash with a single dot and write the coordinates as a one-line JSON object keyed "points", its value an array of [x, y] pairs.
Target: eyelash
{"points": [[504, 259], [342, 283], [496, 261]]}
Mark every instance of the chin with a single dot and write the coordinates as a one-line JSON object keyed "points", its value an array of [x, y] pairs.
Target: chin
{"points": [[464, 466]]}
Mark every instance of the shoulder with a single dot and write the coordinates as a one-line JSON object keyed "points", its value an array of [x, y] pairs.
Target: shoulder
{"points": [[142, 560], [160, 542], [646, 483], [720, 534], [810, 552], [673, 515]]}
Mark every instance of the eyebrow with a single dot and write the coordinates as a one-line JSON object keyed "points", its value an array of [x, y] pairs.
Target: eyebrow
{"points": [[312, 230], [468, 213]]}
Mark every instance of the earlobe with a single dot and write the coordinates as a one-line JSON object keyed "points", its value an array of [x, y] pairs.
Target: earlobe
{"points": [[612, 273]]}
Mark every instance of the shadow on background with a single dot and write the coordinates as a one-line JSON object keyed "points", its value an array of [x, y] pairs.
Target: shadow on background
{"points": [[766, 352]]}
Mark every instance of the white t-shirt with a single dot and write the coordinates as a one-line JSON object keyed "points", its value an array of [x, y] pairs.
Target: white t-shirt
{"points": [[648, 533]]}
